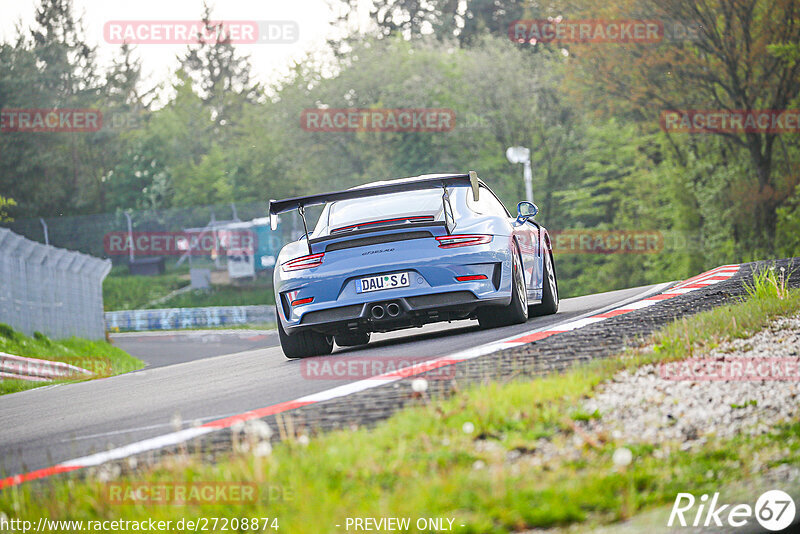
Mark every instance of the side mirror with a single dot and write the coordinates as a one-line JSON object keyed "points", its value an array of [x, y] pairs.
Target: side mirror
{"points": [[526, 210]]}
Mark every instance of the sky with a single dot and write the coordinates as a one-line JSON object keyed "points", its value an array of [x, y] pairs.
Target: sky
{"points": [[312, 17]]}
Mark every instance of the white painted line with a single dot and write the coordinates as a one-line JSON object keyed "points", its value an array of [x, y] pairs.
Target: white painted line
{"points": [[347, 389], [639, 305], [139, 447], [572, 325]]}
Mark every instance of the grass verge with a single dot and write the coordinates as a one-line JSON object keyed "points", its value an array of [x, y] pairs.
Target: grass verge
{"points": [[134, 292], [244, 295], [97, 356], [139, 292], [450, 458]]}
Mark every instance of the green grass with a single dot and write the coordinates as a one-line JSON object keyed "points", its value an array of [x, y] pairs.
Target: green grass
{"points": [[125, 292], [423, 463], [97, 356], [245, 295]]}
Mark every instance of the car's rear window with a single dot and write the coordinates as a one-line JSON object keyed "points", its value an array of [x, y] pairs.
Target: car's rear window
{"points": [[344, 213]]}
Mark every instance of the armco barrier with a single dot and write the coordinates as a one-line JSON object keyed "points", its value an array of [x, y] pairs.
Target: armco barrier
{"points": [[50, 290], [177, 318]]}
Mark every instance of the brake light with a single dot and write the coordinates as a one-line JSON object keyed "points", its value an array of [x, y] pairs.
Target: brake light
{"points": [[303, 262], [452, 241], [471, 277], [300, 302]]}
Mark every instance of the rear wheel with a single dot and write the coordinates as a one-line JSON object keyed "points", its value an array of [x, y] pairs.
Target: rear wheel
{"points": [[517, 311], [352, 339], [549, 303], [304, 344]]}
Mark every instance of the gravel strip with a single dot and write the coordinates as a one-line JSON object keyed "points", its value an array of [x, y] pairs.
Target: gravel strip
{"points": [[643, 407]]}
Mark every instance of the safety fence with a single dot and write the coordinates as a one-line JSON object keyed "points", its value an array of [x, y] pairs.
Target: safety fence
{"points": [[50, 290]]}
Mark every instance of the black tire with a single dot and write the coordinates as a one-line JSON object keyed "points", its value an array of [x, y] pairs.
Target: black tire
{"points": [[352, 339], [550, 299], [517, 311], [304, 344]]}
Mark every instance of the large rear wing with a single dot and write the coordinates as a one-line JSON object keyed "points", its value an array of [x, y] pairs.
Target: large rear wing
{"points": [[299, 203]]}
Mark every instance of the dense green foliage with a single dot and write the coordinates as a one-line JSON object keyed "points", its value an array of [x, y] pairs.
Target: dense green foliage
{"points": [[589, 113]]}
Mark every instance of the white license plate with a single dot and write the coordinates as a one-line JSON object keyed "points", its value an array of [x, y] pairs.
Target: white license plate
{"points": [[384, 281]]}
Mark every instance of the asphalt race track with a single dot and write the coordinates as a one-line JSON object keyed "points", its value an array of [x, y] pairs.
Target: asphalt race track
{"points": [[206, 375], [159, 349]]}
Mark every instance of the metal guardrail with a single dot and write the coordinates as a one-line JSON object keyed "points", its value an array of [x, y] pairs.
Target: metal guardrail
{"points": [[36, 370], [50, 290], [180, 318]]}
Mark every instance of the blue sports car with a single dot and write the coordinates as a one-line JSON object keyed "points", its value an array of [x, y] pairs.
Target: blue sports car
{"points": [[403, 253]]}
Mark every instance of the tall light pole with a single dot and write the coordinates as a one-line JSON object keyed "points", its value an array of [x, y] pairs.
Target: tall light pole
{"points": [[44, 227], [520, 154], [130, 236]]}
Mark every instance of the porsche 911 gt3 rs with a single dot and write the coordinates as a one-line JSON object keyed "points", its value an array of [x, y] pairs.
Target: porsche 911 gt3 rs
{"points": [[403, 253]]}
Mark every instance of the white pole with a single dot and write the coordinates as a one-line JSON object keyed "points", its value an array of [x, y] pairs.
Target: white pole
{"points": [[130, 236], [528, 181], [44, 226]]}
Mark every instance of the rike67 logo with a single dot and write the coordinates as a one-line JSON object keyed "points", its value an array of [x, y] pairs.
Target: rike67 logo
{"points": [[774, 511]]}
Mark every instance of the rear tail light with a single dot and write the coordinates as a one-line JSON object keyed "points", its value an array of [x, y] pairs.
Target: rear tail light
{"points": [[471, 277], [303, 262], [452, 241], [300, 302]]}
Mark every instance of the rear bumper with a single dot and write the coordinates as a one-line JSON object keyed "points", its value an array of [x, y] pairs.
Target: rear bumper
{"points": [[410, 311], [433, 293]]}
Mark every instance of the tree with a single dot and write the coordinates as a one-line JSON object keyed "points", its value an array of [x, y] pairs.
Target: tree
{"points": [[465, 21], [728, 64], [49, 67], [221, 76], [5, 204]]}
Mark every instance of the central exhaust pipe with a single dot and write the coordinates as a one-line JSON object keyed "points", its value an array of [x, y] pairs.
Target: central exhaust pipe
{"points": [[377, 312], [393, 309]]}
